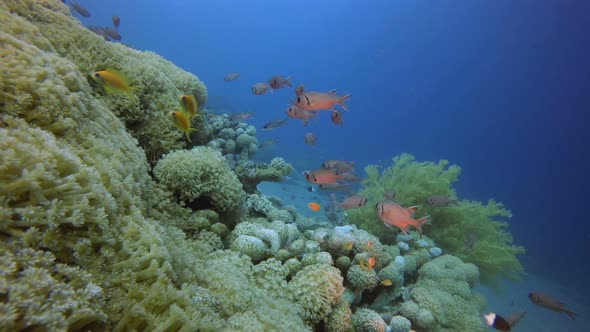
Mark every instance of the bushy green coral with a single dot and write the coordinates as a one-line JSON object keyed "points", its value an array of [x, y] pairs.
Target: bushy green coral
{"points": [[200, 174], [245, 305], [400, 324], [317, 289], [367, 320], [339, 320], [159, 82], [493, 252], [36, 292], [444, 297]]}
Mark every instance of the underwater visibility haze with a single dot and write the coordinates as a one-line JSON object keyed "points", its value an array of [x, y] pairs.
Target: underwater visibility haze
{"points": [[294, 165]]}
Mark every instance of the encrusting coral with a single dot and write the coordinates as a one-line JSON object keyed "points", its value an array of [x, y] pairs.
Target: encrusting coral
{"points": [[451, 227]]}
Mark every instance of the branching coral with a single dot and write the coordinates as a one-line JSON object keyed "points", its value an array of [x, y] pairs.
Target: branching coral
{"points": [[493, 252]]}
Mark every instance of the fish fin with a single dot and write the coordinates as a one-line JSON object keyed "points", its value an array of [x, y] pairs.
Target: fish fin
{"points": [[332, 92], [571, 314], [122, 76], [131, 91], [188, 133], [341, 101], [109, 90], [286, 81], [419, 224], [412, 209]]}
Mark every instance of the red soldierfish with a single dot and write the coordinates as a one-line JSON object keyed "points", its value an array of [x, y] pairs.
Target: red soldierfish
{"points": [[231, 77], [338, 165], [314, 101], [299, 90], [278, 82], [551, 304], [392, 214], [322, 176], [310, 139], [116, 21], [301, 114], [336, 118], [260, 88], [353, 202]]}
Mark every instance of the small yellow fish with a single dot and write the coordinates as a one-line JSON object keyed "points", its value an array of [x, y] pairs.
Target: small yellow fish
{"points": [[386, 282], [189, 105], [113, 81], [348, 246], [362, 263], [182, 122]]}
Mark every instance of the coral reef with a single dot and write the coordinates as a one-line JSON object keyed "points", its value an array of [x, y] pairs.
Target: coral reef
{"points": [[90, 241], [492, 248]]}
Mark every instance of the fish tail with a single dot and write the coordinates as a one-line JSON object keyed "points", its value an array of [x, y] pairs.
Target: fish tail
{"points": [[287, 81], [341, 101], [419, 224], [571, 314], [131, 91]]}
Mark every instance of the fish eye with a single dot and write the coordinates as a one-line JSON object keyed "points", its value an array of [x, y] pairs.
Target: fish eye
{"points": [[96, 74], [298, 99], [173, 113], [183, 98]]}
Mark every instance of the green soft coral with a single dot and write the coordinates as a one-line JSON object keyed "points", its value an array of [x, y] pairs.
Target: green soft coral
{"points": [[494, 252]]}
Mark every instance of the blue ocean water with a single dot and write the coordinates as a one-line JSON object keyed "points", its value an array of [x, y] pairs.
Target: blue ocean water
{"points": [[501, 88]]}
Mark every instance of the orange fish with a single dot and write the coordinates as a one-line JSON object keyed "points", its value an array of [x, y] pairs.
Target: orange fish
{"points": [[113, 81], [315, 207], [182, 122], [189, 105], [546, 301], [322, 176], [392, 214], [371, 263], [369, 244], [314, 101]]}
